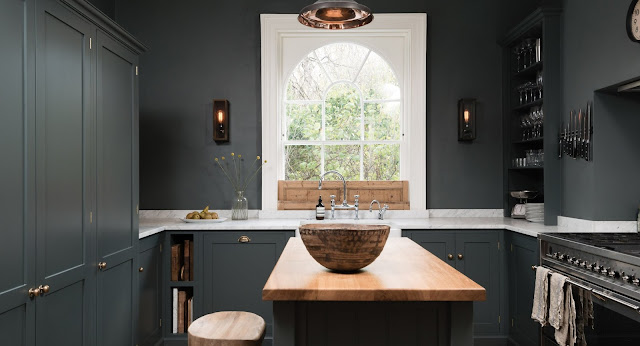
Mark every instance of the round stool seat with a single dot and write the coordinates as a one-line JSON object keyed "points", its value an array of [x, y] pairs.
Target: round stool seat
{"points": [[227, 328]]}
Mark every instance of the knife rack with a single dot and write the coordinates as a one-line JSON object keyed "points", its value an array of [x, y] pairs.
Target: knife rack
{"points": [[575, 139]]}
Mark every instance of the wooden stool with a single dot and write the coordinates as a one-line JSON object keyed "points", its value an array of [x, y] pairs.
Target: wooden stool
{"points": [[227, 328]]}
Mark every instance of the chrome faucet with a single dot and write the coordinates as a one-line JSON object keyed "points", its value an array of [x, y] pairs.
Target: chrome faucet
{"points": [[380, 210], [344, 205]]}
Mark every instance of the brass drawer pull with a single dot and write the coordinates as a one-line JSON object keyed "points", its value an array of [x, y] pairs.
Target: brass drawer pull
{"points": [[450, 257], [44, 289], [244, 239], [141, 269], [460, 256], [102, 265]]}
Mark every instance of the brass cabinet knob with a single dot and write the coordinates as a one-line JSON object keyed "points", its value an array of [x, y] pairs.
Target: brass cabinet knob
{"points": [[450, 257], [460, 256], [102, 265], [141, 269], [44, 289], [244, 239], [34, 292]]}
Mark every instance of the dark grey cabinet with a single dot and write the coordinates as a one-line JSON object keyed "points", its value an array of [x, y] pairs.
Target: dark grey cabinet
{"points": [[477, 255], [55, 133], [523, 253], [17, 198], [236, 268], [64, 121], [116, 198], [149, 290]]}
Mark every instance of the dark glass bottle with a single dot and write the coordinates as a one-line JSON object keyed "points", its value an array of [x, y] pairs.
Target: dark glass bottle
{"points": [[320, 209]]}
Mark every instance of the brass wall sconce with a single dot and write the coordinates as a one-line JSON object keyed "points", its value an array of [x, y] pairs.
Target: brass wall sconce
{"points": [[221, 121], [466, 119]]}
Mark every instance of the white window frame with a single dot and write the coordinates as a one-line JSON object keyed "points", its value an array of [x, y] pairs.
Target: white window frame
{"points": [[412, 28]]}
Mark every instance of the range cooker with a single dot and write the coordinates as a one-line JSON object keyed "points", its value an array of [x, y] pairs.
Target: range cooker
{"points": [[608, 265]]}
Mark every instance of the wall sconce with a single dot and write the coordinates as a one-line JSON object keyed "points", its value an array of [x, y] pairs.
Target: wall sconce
{"points": [[466, 119], [221, 120]]}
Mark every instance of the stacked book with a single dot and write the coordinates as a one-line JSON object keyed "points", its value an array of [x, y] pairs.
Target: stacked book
{"points": [[182, 311], [534, 212], [182, 261]]}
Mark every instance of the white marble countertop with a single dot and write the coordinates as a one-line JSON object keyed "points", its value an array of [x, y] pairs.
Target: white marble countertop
{"points": [[150, 226]]}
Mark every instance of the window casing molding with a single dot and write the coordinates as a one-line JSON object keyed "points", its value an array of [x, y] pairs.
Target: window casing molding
{"points": [[410, 29]]}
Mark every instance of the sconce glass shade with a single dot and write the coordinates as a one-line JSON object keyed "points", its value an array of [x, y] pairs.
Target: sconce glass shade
{"points": [[335, 15], [467, 119]]}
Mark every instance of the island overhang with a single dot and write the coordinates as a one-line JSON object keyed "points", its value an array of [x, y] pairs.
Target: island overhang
{"points": [[404, 271]]}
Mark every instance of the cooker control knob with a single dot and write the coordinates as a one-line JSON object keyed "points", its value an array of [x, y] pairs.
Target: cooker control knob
{"points": [[562, 257], [628, 278], [593, 266], [636, 282], [584, 264], [614, 274], [605, 271]]}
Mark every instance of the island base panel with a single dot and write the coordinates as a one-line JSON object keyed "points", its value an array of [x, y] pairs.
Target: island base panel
{"points": [[373, 323]]}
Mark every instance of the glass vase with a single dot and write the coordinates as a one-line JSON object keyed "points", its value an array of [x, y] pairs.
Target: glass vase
{"points": [[240, 207]]}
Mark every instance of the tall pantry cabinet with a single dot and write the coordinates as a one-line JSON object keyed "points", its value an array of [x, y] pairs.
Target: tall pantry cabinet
{"points": [[69, 183]]}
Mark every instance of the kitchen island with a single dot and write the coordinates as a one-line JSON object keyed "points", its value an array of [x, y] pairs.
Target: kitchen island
{"points": [[406, 297]]}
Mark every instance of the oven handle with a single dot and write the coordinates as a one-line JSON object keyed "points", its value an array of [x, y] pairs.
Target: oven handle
{"points": [[600, 295], [603, 296]]}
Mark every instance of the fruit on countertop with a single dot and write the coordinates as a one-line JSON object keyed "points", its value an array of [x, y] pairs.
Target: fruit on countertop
{"points": [[204, 214]]}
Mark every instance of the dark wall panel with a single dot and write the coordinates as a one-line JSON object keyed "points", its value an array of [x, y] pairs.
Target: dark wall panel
{"points": [[597, 54], [211, 49]]}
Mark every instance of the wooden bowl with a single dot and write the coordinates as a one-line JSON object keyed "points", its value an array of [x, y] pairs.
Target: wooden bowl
{"points": [[344, 247]]}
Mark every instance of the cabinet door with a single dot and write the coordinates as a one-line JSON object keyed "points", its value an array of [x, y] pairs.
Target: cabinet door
{"points": [[524, 253], [235, 272], [481, 263], [440, 243], [149, 290], [17, 265], [116, 199], [63, 133]]}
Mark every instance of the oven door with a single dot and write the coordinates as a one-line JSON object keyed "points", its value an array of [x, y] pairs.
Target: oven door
{"points": [[616, 321]]}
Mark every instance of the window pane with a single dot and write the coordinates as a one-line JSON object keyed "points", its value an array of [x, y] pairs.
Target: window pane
{"points": [[381, 162], [342, 60], [302, 162], [377, 80], [382, 121], [307, 81], [343, 113], [344, 159], [304, 122]]}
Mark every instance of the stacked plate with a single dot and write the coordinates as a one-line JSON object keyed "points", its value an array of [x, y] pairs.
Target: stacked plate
{"points": [[534, 212]]}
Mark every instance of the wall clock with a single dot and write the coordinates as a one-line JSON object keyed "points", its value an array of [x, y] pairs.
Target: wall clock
{"points": [[633, 21]]}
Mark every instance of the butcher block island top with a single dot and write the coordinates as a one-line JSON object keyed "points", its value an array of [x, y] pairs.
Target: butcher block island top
{"points": [[404, 271]]}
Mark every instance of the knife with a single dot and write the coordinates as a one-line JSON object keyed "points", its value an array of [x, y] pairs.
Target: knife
{"points": [[579, 132], [561, 135], [589, 129], [574, 124]]}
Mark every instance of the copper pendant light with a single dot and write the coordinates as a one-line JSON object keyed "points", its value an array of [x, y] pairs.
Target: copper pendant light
{"points": [[335, 15]]}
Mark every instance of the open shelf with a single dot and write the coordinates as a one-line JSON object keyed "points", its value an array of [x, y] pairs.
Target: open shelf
{"points": [[529, 71], [526, 168], [527, 141], [526, 106]]}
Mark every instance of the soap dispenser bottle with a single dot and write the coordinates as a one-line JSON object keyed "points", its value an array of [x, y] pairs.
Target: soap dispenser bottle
{"points": [[320, 209]]}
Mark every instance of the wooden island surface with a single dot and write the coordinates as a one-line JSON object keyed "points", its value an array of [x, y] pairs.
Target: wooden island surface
{"points": [[407, 296], [404, 271]]}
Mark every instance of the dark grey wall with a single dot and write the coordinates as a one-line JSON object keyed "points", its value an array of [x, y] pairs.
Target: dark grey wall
{"points": [[107, 7], [597, 54], [200, 50]]}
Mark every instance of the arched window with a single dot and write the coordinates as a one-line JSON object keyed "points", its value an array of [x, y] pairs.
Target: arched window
{"points": [[342, 111], [347, 100]]}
